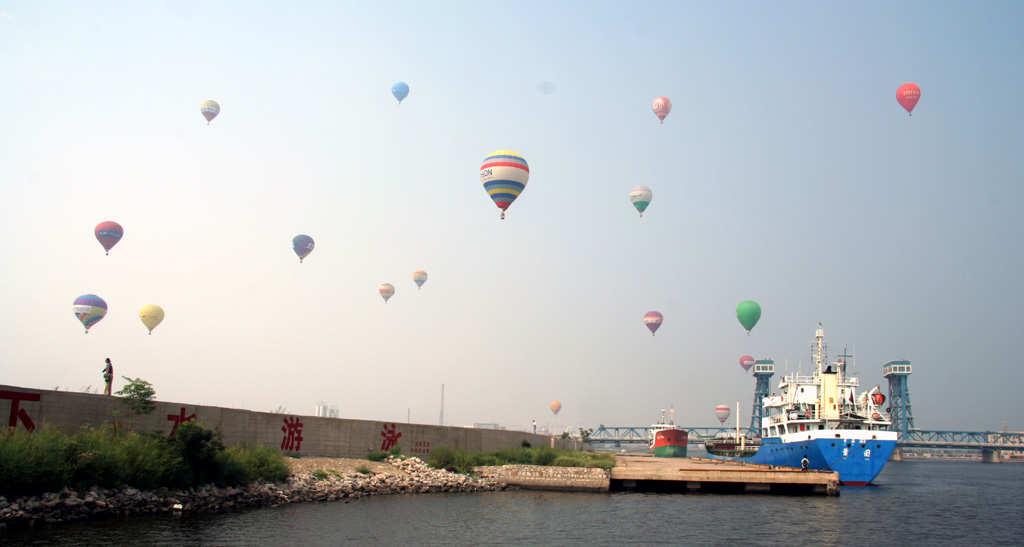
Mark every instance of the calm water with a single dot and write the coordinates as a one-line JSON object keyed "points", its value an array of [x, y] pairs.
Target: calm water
{"points": [[914, 503]]}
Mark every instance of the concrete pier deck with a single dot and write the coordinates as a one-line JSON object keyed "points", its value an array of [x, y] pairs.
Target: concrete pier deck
{"points": [[646, 473]]}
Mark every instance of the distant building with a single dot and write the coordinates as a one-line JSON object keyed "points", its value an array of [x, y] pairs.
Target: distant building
{"points": [[488, 426], [323, 411]]}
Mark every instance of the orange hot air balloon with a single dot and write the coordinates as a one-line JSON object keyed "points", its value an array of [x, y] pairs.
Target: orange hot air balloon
{"points": [[556, 406]]}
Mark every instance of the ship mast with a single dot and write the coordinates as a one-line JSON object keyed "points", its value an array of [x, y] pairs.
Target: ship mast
{"points": [[820, 335]]}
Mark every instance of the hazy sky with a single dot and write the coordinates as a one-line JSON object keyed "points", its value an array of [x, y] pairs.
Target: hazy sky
{"points": [[786, 173]]}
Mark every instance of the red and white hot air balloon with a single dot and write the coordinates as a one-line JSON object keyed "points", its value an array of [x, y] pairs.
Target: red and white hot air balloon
{"points": [[746, 362], [661, 106], [722, 413]]}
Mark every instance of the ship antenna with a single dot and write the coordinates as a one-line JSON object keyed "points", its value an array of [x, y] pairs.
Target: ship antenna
{"points": [[842, 361]]}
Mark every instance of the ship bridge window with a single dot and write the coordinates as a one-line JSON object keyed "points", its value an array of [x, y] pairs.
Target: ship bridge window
{"points": [[821, 427]]}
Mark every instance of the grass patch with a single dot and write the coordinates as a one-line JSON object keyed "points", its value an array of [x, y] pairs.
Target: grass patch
{"points": [[444, 457], [49, 460]]}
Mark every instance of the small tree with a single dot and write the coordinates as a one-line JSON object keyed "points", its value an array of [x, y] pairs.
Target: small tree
{"points": [[138, 396], [585, 434]]}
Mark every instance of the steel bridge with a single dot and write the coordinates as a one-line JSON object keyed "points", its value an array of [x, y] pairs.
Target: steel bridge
{"points": [[979, 440]]}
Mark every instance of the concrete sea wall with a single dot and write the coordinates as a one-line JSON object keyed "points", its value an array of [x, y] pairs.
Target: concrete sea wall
{"points": [[572, 479], [291, 433]]}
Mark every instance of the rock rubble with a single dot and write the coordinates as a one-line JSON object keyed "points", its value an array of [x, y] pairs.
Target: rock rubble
{"points": [[413, 477]]}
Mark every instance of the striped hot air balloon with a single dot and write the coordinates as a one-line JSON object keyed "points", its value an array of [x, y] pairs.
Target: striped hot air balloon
{"points": [[420, 277], [653, 320], [89, 309], [387, 290], [504, 174], [722, 413], [210, 109]]}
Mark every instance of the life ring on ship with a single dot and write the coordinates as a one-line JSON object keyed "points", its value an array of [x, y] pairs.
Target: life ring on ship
{"points": [[876, 416]]}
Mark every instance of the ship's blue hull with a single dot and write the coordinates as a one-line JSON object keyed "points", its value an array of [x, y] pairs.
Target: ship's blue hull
{"points": [[857, 461]]}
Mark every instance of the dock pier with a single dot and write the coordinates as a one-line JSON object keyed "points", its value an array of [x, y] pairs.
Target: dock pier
{"points": [[646, 473]]}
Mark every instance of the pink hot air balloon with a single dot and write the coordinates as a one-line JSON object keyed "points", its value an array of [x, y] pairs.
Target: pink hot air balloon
{"points": [[908, 94], [746, 362], [662, 106], [722, 413], [108, 233], [653, 320]]}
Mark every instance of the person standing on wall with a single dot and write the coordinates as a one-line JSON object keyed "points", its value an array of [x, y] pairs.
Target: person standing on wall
{"points": [[535, 427], [108, 376]]}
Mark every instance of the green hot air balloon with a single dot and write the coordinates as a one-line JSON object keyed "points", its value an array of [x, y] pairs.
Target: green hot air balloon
{"points": [[748, 312]]}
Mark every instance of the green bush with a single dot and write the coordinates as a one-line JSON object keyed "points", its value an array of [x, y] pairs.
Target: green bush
{"points": [[568, 461], [377, 456], [544, 456], [519, 455], [267, 463], [92, 459], [36, 462], [147, 461], [198, 448], [443, 457]]}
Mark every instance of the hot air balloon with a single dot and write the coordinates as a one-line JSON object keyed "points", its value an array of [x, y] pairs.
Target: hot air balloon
{"points": [[908, 94], [504, 175], [722, 413], [556, 406], [400, 90], [303, 245], [387, 290], [662, 106], [746, 362], [653, 320], [641, 198], [748, 312], [108, 233], [151, 316], [420, 277], [210, 109], [89, 309]]}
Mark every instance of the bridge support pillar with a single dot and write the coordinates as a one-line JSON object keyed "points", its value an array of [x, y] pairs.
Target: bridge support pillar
{"points": [[897, 455], [991, 456]]}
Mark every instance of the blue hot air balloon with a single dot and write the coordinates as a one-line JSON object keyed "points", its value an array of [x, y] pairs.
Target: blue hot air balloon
{"points": [[400, 91], [303, 245]]}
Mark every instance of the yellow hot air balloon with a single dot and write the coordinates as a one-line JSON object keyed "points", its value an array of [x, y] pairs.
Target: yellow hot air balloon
{"points": [[556, 406], [151, 316]]}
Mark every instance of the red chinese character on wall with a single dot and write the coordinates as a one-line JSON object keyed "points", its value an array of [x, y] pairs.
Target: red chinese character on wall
{"points": [[179, 419], [292, 430], [19, 413], [390, 437]]}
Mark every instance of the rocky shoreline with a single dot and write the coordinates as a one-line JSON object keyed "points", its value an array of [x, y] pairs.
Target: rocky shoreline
{"points": [[412, 476]]}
